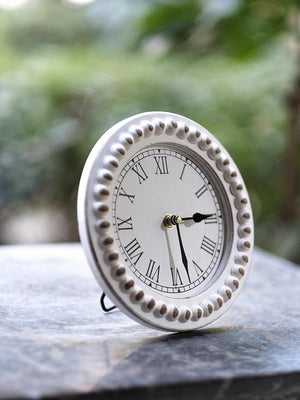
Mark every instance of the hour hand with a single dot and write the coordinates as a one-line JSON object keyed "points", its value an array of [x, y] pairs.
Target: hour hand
{"points": [[197, 217], [171, 220]]}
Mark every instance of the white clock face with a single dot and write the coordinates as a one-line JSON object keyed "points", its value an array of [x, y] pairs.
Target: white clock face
{"points": [[180, 259]]}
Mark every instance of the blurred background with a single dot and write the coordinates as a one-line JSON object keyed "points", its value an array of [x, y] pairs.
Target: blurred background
{"points": [[71, 69]]}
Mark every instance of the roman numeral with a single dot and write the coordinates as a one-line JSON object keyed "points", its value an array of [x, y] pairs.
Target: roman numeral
{"points": [[132, 249], [161, 165], [182, 172], [130, 197], [208, 245], [199, 271], [153, 271], [176, 278], [201, 191], [124, 224], [211, 220], [139, 170]]}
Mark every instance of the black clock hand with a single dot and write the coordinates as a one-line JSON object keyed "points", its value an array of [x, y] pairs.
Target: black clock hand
{"points": [[197, 217], [171, 220], [183, 256]]}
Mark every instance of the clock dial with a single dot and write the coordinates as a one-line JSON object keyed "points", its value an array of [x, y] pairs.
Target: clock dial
{"points": [[176, 259]]}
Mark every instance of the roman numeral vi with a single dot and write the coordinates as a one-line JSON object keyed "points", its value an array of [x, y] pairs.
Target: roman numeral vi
{"points": [[176, 278]]}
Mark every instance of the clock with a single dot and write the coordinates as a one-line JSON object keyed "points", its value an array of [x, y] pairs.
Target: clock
{"points": [[165, 221]]}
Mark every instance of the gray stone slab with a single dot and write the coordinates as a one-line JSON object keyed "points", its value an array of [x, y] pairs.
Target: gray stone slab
{"points": [[55, 342]]}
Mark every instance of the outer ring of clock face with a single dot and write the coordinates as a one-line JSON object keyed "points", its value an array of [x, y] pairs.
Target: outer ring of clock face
{"points": [[165, 221]]}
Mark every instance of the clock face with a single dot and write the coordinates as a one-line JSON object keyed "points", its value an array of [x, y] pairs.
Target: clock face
{"points": [[165, 221], [180, 259]]}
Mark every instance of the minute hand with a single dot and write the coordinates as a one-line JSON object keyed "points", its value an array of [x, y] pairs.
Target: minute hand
{"points": [[183, 256], [197, 217]]}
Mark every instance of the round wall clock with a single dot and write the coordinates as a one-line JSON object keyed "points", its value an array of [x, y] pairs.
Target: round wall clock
{"points": [[165, 221]]}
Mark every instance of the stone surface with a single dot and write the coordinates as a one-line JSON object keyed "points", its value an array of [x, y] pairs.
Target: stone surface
{"points": [[55, 342]]}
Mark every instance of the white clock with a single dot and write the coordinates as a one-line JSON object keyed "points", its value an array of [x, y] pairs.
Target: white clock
{"points": [[165, 221]]}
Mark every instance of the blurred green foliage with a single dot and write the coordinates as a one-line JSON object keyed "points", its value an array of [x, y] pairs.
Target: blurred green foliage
{"points": [[67, 75], [238, 27]]}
